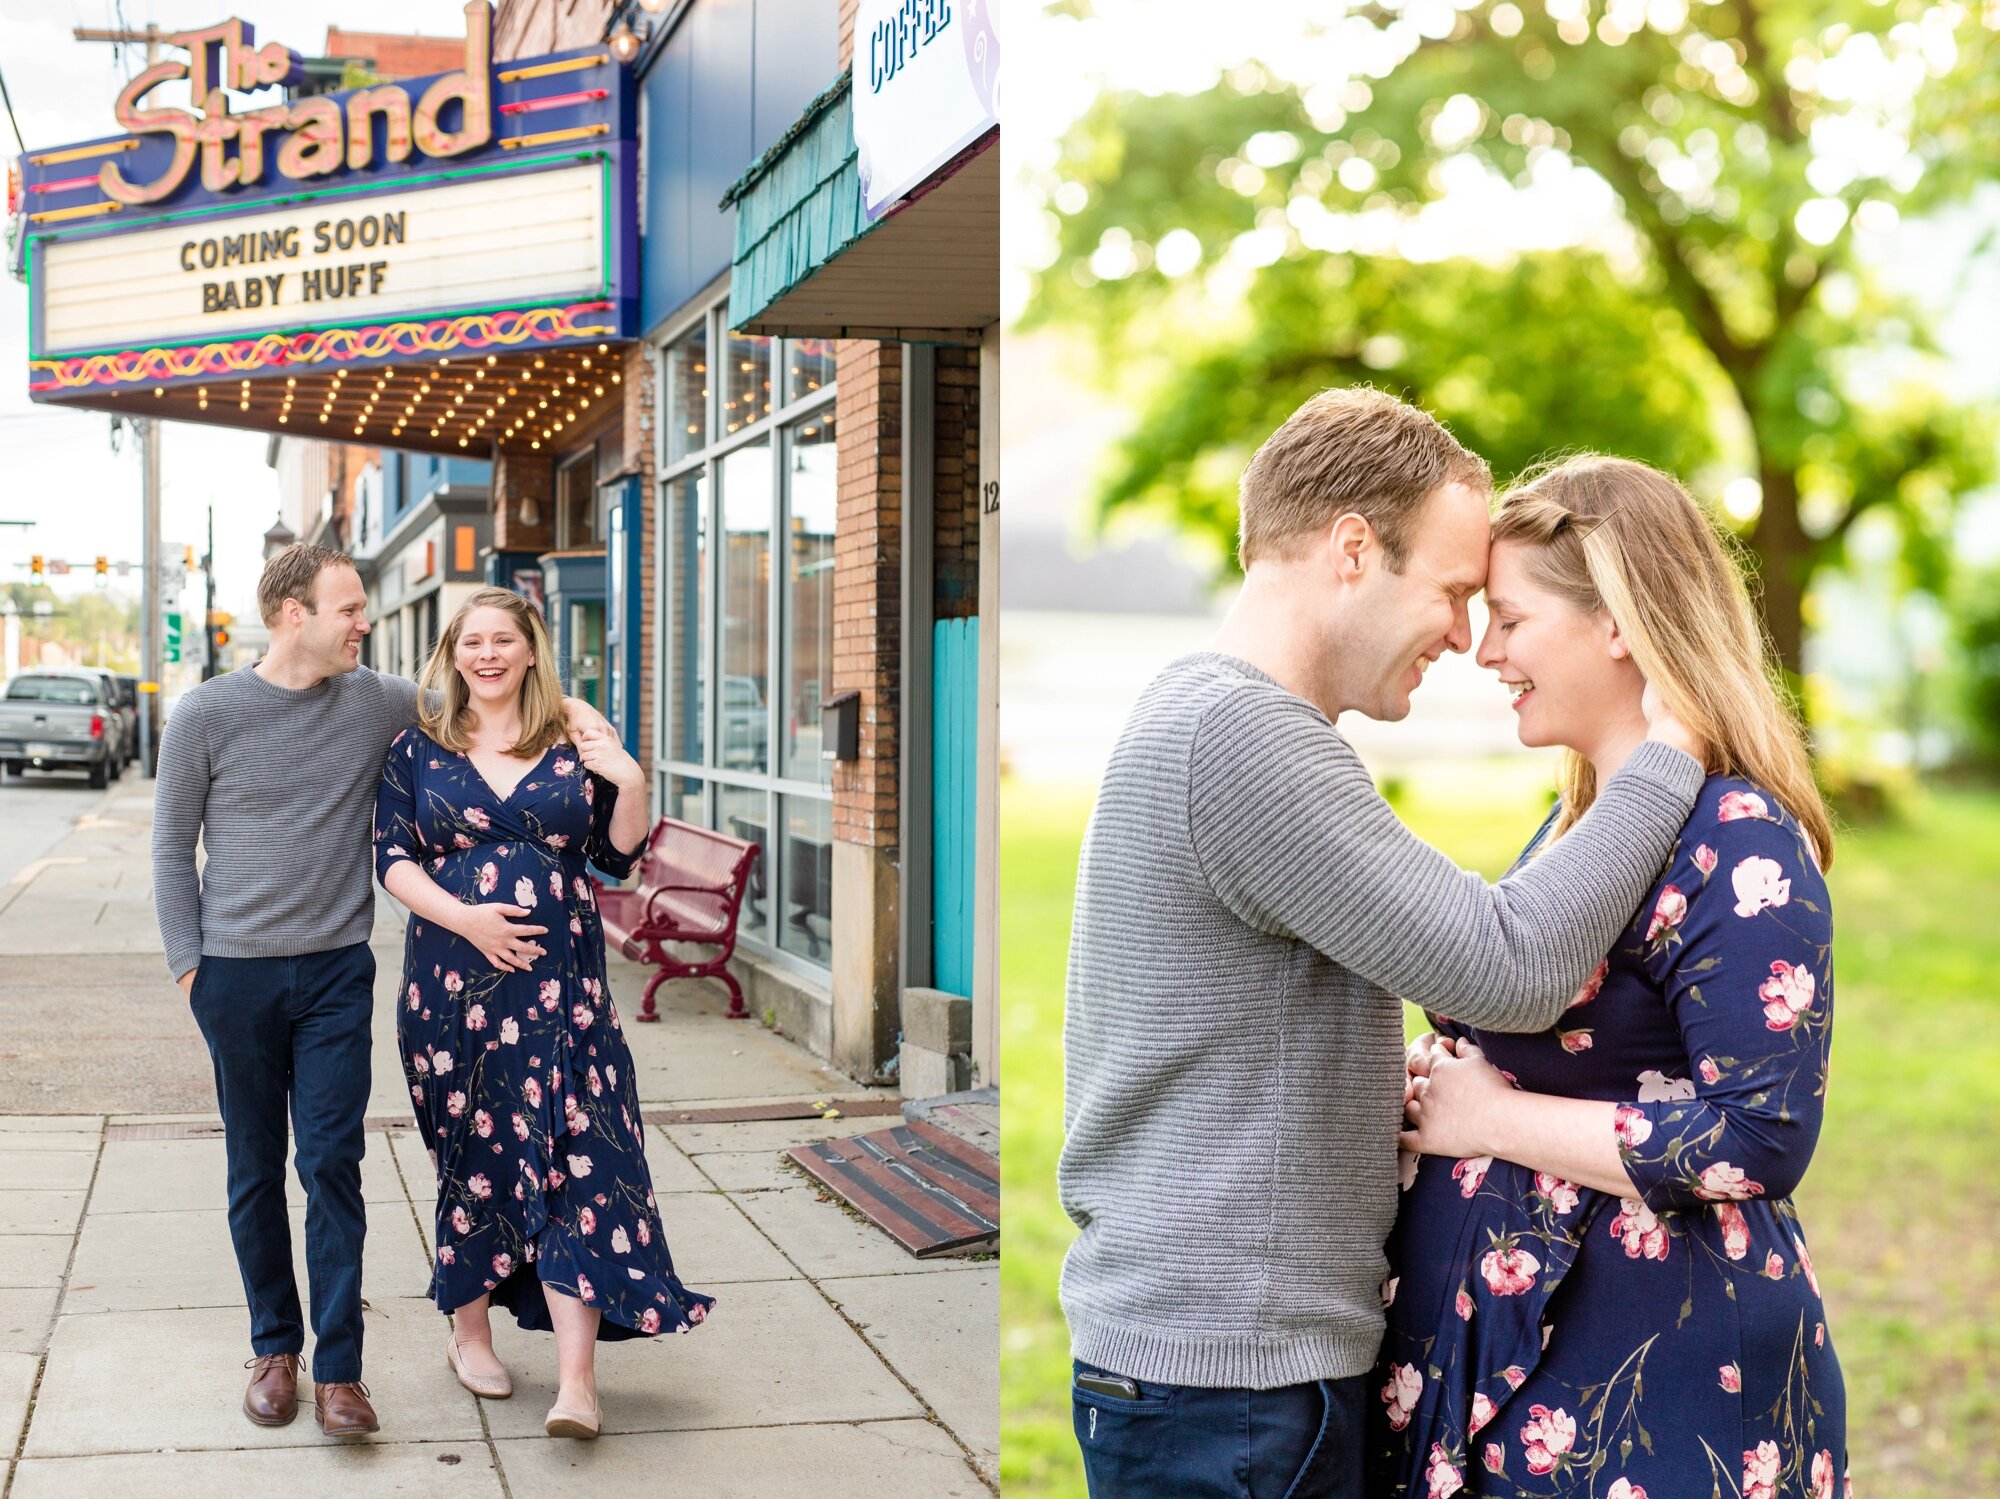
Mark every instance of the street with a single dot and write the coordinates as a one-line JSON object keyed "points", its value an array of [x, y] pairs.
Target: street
{"points": [[835, 1363]]}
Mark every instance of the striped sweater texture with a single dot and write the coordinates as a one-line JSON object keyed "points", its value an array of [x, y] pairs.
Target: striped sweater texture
{"points": [[1248, 910], [278, 784]]}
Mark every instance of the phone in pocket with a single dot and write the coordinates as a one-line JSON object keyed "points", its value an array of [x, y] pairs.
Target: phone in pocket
{"points": [[1115, 1385]]}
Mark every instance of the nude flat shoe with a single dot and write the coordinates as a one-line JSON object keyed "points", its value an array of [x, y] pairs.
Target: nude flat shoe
{"points": [[564, 1422], [485, 1386]]}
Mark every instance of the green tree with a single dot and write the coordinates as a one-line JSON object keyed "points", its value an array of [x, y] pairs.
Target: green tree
{"points": [[1734, 328]]}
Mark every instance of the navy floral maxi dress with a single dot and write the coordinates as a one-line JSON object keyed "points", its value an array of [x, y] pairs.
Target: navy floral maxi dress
{"points": [[522, 1081], [1549, 1339]]}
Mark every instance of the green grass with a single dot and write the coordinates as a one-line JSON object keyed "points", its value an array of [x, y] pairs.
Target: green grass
{"points": [[1902, 1202]]}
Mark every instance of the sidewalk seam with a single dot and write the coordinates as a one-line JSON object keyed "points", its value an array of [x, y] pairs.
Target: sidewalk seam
{"points": [[971, 1460], [55, 1317]]}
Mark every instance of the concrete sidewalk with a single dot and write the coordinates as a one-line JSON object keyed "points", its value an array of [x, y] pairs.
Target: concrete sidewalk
{"points": [[834, 1365]]}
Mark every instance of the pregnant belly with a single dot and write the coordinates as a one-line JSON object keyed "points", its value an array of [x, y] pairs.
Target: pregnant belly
{"points": [[517, 873]]}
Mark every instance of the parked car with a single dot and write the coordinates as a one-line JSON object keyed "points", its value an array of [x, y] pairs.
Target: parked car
{"points": [[61, 719], [128, 699]]}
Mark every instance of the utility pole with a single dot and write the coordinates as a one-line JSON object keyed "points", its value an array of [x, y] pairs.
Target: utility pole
{"points": [[151, 646], [208, 668]]}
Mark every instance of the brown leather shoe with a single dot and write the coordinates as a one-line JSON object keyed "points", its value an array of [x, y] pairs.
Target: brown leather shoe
{"points": [[273, 1396], [342, 1410]]}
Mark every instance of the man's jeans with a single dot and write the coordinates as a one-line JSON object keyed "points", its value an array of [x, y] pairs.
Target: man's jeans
{"points": [[294, 1032], [1303, 1441]]}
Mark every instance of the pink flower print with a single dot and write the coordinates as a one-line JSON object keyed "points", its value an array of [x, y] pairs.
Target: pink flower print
{"points": [[1724, 1182], [1668, 912], [483, 1123], [416, 997], [1624, 1488], [1400, 1394], [579, 1166], [551, 992], [649, 1320], [422, 1063], [479, 1186], [584, 1289], [583, 890], [454, 1104], [524, 891], [1759, 882], [1560, 1195], [459, 1222], [589, 790], [510, 1030], [1822, 1475], [1787, 994], [1732, 1379], [611, 1073], [1445, 1480], [1760, 1472], [557, 841], [417, 1092], [1515, 1376], [1470, 1172], [1704, 860], [447, 1255], [621, 1242], [576, 922], [1462, 1304], [1482, 1412], [475, 1018], [1710, 1073], [1656, 1087], [489, 877], [1774, 1266], [555, 883], [645, 1234], [1495, 1457], [580, 1016], [503, 1265], [441, 1062], [458, 840], [478, 818], [1735, 1230], [596, 1083], [1819, 1335], [563, 766], [1737, 805], [1634, 1126], [520, 1127], [1509, 1272], [1644, 1235], [531, 1089], [453, 982], [1575, 1042], [1591, 985], [1548, 1436]]}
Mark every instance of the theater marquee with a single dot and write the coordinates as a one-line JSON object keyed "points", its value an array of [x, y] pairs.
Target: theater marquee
{"points": [[243, 265]]}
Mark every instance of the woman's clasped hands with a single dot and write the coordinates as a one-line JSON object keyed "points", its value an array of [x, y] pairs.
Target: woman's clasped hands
{"points": [[1450, 1095]]}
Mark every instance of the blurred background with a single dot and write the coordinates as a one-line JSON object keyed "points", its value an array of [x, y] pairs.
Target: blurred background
{"points": [[1751, 242]]}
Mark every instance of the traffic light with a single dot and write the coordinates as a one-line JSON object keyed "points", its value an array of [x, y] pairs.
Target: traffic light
{"points": [[221, 637], [35, 568], [103, 569]]}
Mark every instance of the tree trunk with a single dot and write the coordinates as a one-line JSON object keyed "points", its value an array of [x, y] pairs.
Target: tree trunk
{"points": [[1781, 547]]}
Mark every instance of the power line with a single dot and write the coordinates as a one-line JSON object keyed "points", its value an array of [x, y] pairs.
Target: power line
{"points": [[9, 99]]}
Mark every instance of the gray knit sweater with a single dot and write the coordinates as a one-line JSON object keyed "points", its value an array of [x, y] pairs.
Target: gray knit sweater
{"points": [[1248, 908], [279, 785]]}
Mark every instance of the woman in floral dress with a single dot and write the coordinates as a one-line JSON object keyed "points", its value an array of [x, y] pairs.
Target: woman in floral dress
{"points": [[1598, 1282], [522, 1081]]}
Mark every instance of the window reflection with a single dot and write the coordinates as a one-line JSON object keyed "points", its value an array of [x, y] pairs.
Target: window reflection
{"points": [[744, 695], [808, 366], [746, 390], [809, 607], [684, 519], [687, 393], [746, 814], [808, 903]]}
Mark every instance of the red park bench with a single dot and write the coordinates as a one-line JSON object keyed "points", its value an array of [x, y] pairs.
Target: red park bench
{"points": [[691, 887]]}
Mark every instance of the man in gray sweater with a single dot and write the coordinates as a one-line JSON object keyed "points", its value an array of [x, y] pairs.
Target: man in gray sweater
{"points": [[273, 769], [1248, 912]]}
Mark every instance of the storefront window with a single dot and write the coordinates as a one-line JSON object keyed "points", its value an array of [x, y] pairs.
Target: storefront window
{"points": [[808, 367], [576, 503], [746, 393], [809, 597], [744, 616], [685, 382], [684, 525]]}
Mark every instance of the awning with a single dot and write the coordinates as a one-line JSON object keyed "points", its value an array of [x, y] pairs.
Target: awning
{"points": [[809, 263]]}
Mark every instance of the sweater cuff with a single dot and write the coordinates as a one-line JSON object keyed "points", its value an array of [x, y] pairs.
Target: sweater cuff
{"points": [[1673, 771]]}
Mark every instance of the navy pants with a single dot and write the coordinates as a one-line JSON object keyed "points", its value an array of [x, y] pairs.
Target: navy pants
{"points": [[292, 1035], [1302, 1441]]}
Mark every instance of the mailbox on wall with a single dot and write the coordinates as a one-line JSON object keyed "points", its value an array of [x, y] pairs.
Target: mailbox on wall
{"points": [[840, 722]]}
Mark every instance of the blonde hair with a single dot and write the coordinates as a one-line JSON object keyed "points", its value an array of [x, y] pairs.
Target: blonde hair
{"points": [[1355, 449], [447, 707], [1611, 534]]}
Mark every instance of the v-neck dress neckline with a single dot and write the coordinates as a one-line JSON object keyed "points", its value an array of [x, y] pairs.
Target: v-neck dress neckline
{"points": [[492, 790]]}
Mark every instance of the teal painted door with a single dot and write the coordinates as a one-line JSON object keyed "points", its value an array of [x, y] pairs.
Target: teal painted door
{"points": [[954, 792]]}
